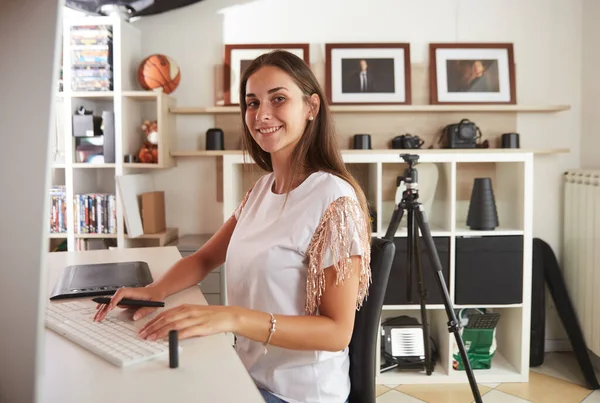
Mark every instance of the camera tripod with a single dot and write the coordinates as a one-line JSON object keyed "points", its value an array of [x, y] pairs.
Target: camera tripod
{"points": [[415, 212]]}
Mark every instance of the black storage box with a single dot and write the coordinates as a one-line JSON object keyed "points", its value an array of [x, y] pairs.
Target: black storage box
{"points": [[396, 293], [489, 270]]}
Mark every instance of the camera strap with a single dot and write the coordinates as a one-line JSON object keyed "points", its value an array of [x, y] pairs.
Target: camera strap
{"points": [[442, 134]]}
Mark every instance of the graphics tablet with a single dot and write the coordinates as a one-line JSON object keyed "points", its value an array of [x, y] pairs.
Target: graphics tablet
{"points": [[85, 280]]}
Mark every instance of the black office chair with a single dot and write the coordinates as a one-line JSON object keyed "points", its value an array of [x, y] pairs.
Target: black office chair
{"points": [[363, 345]]}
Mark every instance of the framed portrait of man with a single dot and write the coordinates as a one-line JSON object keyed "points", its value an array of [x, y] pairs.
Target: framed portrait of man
{"points": [[472, 73], [239, 56], [367, 73]]}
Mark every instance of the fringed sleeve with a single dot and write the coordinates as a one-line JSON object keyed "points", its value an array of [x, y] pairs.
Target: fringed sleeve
{"points": [[341, 233], [239, 209]]}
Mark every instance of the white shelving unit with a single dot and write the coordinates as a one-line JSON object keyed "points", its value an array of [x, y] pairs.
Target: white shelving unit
{"points": [[131, 106], [512, 179]]}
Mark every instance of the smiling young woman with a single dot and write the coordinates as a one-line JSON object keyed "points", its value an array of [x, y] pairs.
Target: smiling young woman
{"points": [[296, 250], [309, 260]]}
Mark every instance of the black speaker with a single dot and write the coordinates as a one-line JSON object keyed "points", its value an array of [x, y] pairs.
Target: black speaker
{"points": [[362, 142], [214, 139], [482, 214], [489, 270], [396, 292], [510, 140]]}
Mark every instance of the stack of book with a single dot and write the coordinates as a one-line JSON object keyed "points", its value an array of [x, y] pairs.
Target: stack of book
{"points": [[91, 58], [58, 210], [95, 213]]}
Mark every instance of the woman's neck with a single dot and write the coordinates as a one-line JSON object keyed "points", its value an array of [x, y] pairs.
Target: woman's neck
{"points": [[282, 169]]}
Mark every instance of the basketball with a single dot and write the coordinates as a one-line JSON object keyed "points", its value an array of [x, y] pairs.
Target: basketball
{"points": [[159, 71]]}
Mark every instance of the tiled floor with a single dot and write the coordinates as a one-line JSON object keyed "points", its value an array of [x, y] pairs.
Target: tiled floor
{"points": [[558, 380]]}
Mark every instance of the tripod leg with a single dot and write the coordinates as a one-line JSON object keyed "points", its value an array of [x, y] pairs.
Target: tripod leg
{"points": [[453, 324], [414, 234], [410, 236], [394, 222]]}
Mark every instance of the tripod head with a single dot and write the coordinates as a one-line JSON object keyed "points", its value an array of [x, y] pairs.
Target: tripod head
{"points": [[406, 197], [411, 175]]}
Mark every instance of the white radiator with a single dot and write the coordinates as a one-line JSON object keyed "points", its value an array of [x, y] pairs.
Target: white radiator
{"points": [[581, 250]]}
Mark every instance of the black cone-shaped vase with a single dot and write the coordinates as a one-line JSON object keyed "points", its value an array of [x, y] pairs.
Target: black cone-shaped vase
{"points": [[483, 215]]}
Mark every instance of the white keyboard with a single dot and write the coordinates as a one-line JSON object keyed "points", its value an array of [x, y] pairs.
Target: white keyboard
{"points": [[116, 340]]}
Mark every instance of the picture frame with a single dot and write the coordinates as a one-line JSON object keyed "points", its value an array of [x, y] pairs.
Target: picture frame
{"points": [[472, 73], [239, 56], [368, 73]]}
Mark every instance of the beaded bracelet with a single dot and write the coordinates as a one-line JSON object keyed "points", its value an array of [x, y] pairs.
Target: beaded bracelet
{"points": [[271, 331]]}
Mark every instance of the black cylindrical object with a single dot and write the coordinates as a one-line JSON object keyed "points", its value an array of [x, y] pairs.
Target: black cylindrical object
{"points": [[214, 139], [482, 208], [510, 140], [362, 141], [173, 349], [130, 158]]}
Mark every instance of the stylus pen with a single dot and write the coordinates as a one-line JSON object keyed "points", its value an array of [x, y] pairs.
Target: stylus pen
{"points": [[130, 302]]}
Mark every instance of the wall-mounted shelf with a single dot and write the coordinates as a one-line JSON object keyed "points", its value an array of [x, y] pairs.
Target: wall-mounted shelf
{"points": [[392, 108], [140, 165], [204, 153], [211, 153]]}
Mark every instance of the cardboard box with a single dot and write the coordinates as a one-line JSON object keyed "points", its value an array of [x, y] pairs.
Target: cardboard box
{"points": [[153, 212]]}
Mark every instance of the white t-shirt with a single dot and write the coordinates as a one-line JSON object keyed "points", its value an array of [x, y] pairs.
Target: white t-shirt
{"points": [[275, 262]]}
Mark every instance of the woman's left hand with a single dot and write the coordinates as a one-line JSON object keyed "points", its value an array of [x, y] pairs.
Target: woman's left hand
{"points": [[190, 321]]}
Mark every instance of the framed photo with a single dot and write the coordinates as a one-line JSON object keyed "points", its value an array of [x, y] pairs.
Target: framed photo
{"points": [[367, 73], [472, 73], [239, 57]]}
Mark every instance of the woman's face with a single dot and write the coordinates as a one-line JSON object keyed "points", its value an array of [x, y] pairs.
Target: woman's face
{"points": [[477, 68], [276, 113]]}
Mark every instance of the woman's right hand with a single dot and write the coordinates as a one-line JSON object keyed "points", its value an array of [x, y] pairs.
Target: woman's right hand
{"points": [[148, 293]]}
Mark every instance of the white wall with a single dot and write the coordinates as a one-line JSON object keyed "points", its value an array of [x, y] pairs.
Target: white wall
{"points": [[548, 71], [590, 133], [28, 33]]}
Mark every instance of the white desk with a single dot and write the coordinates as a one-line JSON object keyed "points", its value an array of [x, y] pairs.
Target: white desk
{"points": [[209, 369]]}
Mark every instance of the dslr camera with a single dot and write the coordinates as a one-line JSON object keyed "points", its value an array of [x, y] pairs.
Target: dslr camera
{"points": [[406, 141], [464, 134]]}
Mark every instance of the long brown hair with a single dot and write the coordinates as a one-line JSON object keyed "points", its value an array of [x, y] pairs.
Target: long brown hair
{"points": [[317, 149]]}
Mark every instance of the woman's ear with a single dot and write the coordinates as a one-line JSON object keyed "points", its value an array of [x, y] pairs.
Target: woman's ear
{"points": [[315, 104]]}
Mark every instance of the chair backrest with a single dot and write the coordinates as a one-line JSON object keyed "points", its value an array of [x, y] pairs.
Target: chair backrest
{"points": [[363, 345]]}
